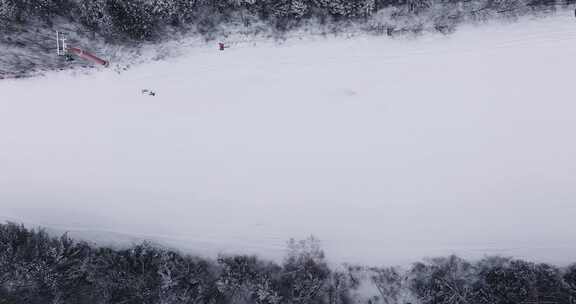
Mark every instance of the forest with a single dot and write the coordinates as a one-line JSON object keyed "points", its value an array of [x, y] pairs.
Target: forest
{"points": [[141, 20], [36, 267]]}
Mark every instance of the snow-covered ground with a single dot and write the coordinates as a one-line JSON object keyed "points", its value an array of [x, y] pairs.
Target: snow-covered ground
{"points": [[388, 150]]}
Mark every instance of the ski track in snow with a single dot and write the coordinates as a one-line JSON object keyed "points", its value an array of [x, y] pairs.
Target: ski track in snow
{"points": [[388, 150]]}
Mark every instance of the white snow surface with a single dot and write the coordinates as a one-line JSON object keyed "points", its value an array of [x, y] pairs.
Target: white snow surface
{"points": [[388, 150]]}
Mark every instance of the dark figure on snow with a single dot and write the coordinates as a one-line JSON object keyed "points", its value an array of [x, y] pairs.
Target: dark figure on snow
{"points": [[148, 92], [222, 46]]}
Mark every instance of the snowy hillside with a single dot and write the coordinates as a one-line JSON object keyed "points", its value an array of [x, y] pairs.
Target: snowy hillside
{"points": [[388, 150], [124, 30]]}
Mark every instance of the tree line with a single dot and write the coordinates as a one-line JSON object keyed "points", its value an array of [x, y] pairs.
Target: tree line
{"points": [[148, 19], [36, 267]]}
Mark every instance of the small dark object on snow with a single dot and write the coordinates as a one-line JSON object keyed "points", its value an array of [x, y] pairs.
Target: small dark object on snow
{"points": [[148, 92], [222, 46]]}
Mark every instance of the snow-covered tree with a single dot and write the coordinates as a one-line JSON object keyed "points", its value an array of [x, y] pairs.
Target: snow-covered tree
{"points": [[245, 279], [444, 281], [304, 272], [133, 18], [504, 281], [388, 281]]}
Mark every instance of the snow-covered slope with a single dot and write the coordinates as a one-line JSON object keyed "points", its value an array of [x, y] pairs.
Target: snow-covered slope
{"points": [[387, 150]]}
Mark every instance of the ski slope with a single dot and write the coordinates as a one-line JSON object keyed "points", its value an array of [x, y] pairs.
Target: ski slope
{"points": [[388, 150]]}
